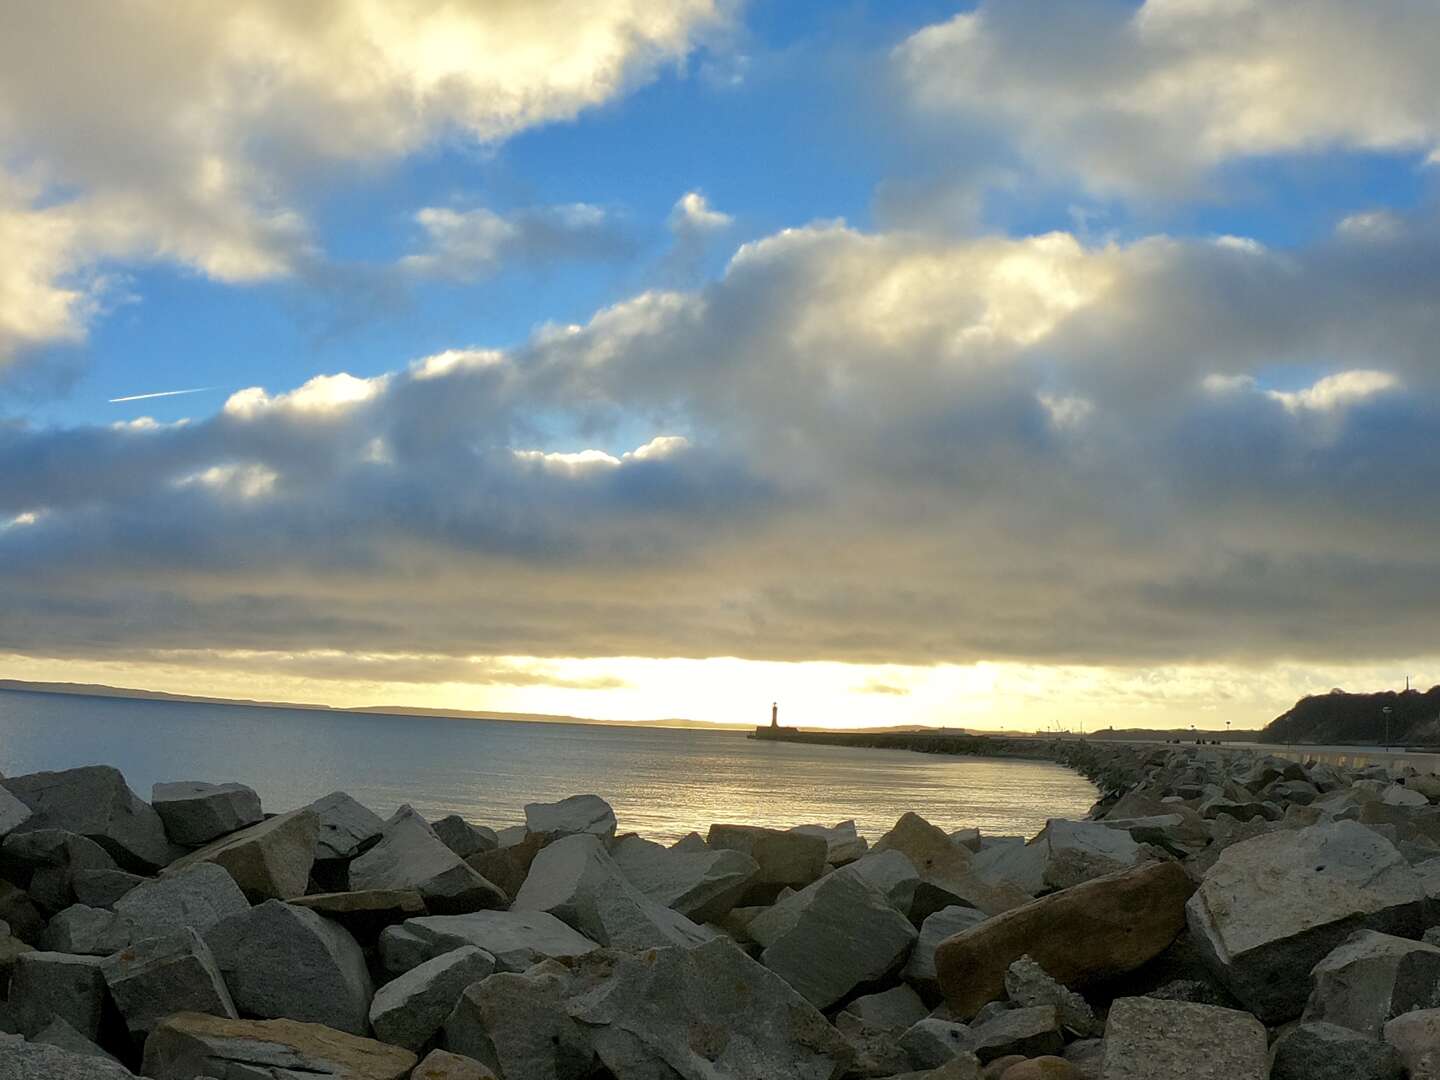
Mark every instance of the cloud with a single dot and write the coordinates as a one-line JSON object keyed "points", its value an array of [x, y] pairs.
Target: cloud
{"points": [[1148, 99], [465, 245], [693, 213], [191, 135]]}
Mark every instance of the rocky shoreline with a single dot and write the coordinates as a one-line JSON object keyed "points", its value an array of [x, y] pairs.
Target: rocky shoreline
{"points": [[1218, 914]]}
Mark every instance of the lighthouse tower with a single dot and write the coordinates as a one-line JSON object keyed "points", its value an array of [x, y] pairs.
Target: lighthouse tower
{"points": [[774, 715]]}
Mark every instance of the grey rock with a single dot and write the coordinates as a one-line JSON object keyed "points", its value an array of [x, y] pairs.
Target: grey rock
{"points": [[898, 1007], [892, 873], [1027, 985], [269, 861], [842, 843], [196, 813], [17, 909], [198, 898], [783, 858], [1416, 1037], [1320, 1051], [969, 839], [21, 1060], [365, 914], [511, 835], [45, 985], [1371, 978], [948, 867], [575, 880], [409, 1010], [1018, 865], [191, 1045], [578, 814], [920, 970], [1087, 1058], [59, 1033], [95, 801], [1148, 1039], [691, 841], [1029, 1032], [1077, 851], [518, 1026], [102, 888], [52, 857], [443, 1065], [13, 813], [833, 936], [929, 1044], [280, 960], [346, 828], [516, 939], [83, 930], [463, 838], [410, 856], [701, 885], [1272, 907], [401, 949], [165, 975]]}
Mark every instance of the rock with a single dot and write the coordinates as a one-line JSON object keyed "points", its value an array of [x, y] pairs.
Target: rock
{"points": [[1371, 978], [832, 936], [463, 838], [703, 1013], [443, 1065], [783, 858], [195, 813], [931, 1043], [410, 856], [1399, 795], [920, 971], [507, 866], [95, 801], [842, 843], [280, 960], [1146, 1039], [1320, 1051], [517, 1025], [1416, 1038], [10, 949], [1048, 1067], [45, 985], [165, 975], [898, 1007], [1081, 935], [969, 839], [20, 912], [578, 814], [892, 873], [20, 1060], [575, 880], [198, 898], [190, 1045], [83, 930], [409, 1010], [1029, 1031], [1079, 851], [13, 813], [701, 885], [945, 864], [1088, 1058], [269, 861], [1272, 907], [1028, 985], [101, 888], [1001, 1065], [51, 858], [1016, 865], [875, 1051], [400, 950], [345, 828], [516, 939], [512, 835], [59, 1033], [365, 913]]}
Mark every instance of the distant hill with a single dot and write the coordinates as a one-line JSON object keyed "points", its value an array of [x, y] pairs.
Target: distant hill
{"points": [[1359, 719]]}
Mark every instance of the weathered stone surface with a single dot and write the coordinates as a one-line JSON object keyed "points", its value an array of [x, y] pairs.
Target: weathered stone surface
{"points": [[832, 936], [269, 861], [21, 1060], [95, 801], [165, 975], [516, 939], [1047, 1067], [190, 1045], [930, 1043], [572, 816], [1027, 984], [948, 865], [1086, 934], [59, 1033], [410, 856], [507, 866], [701, 885], [443, 1065], [1320, 1051], [13, 813], [20, 912], [704, 1014], [1030, 1031], [842, 843], [518, 1026], [198, 898], [575, 880], [1272, 907], [898, 1007], [83, 930], [892, 873], [280, 960], [195, 813], [963, 1067], [11, 948], [875, 1051], [463, 838], [345, 828], [101, 888], [1088, 1057], [783, 858], [51, 858], [920, 970], [400, 950], [45, 985], [1148, 1039], [409, 1010], [365, 913], [1416, 1037], [1016, 864], [1371, 978], [1079, 851]]}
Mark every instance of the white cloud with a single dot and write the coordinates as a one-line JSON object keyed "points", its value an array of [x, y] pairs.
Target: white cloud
{"points": [[465, 245], [245, 481], [693, 213], [324, 394], [1337, 391]]}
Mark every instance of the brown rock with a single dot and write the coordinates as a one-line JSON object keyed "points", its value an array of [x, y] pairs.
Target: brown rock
{"points": [[1085, 934], [187, 1045], [943, 863], [443, 1065], [507, 867], [1041, 1068], [269, 861], [996, 1069], [367, 912]]}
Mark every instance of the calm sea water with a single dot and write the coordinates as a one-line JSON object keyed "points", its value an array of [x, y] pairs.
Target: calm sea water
{"points": [[663, 783]]}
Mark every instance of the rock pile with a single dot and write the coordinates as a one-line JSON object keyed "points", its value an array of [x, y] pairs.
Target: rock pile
{"points": [[1219, 914]]}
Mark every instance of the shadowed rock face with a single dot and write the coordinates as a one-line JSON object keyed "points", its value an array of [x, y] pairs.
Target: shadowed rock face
{"points": [[95, 801], [196, 813], [188, 1045], [410, 856], [269, 861], [41, 1061]]}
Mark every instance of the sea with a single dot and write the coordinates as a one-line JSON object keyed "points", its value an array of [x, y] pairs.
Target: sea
{"points": [[662, 782]]}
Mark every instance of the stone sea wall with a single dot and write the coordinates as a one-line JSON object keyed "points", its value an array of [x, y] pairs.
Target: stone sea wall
{"points": [[1218, 915]]}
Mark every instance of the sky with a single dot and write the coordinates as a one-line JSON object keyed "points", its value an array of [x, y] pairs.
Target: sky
{"points": [[1021, 364]]}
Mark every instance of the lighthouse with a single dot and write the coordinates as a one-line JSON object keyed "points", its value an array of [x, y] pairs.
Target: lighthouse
{"points": [[774, 715]]}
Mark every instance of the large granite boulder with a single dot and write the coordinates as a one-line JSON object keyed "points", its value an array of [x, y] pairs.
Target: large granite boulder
{"points": [[196, 813], [1370, 978], [579, 814], [280, 960], [410, 856], [46, 862], [269, 861], [44, 985], [1271, 908], [198, 898], [409, 1010], [1079, 851], [1027, 1032], [892, 873], [507, 865], [893, 1009], [463, 838], [1320, 1051], [577, 881], [1027, 985], [190, 1045], [165, 975], [843, 843], [516, 939], [21, 1060], [518, 1025], [1416, 1038], [83, 930], [701, 885], [345, 827], [59, 1033], [443, 1065], [833, 936], [947, 865], [783, 859], [920, 969], [95, 801], [102, 888], [13, 813], [19, 911], [1014, 863], [1082, 935], [1151, 1039]]}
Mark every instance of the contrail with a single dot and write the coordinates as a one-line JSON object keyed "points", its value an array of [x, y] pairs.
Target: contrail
{"points": [[162, 393]]}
